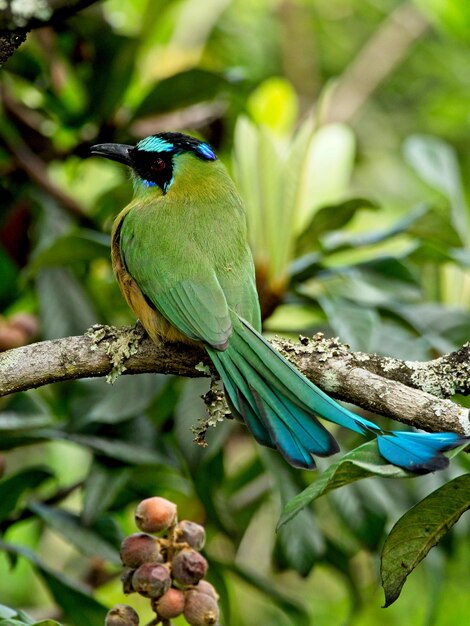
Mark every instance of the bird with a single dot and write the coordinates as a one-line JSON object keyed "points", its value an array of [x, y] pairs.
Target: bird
{"points": [[181, 257]]}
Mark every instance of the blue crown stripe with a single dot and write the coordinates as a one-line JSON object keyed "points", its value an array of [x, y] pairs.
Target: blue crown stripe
{"points": [[206, 151], [154, 144]]}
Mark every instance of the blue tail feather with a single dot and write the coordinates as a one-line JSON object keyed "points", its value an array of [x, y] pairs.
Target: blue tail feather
{"points": [[280, 407], [313, 398], [304, 426], [418, 452], [286, 441], [296, 433], [240, 399]]}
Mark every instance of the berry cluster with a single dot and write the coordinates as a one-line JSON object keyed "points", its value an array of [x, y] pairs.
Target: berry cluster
{"points": [[168, 569]]}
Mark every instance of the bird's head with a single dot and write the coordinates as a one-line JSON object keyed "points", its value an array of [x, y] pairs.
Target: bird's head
{"points": [[154, 160]]}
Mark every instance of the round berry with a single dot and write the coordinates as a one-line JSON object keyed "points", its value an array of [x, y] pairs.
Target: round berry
{"points": [[188, 567], [191, 533], [170, 605], [200, 609], [155, 514], [151, 580], [121, 615], [204, 586], [140, 548]]}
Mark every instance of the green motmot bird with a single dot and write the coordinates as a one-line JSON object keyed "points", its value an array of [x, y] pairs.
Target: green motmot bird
{"points": [[181, 257]]}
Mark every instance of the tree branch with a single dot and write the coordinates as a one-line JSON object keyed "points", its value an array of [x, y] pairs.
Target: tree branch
{"points": [[379, 57], [415, 393], [18, 18]]}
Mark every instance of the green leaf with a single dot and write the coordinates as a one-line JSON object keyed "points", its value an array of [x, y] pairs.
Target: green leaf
{"points": [[78, 606], [356, 325], [182, 90], [23, 616], [101, 488], [329, 218], [114, 448], [436, 163], [300, 542], [6, 612], [86, 540], [46, 622], [128, 397], [325, 172], [363, 462], [111, 71], [65, 306], [12, 421], [83, 245], [14, 487], [421, 528], [444, 327]]}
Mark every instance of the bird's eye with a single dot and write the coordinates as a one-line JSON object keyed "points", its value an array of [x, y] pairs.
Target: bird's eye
{"points": [[158, 165]]}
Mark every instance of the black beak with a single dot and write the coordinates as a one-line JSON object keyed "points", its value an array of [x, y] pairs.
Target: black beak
{"points": [[115, 151]]}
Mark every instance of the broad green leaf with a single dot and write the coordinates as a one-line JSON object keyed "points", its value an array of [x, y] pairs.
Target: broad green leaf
{"points": [[46, 622], [6, 612], [339, 240], [444, 327], [356, 325], [13, 421], [276, 230], [112, 69], [64, 305], [77, 604], [86, 540], [436, 163], [300, 542], [246, 165], [326, 171], [116, 449], [128, 397], [83, 245], [182, 90], [102, 485], [330, 218], [363, 462], [421, 528], [432, 222], [14, 487]]}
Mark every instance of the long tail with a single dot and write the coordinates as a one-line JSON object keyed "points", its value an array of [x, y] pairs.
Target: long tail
{"points": [[280, 407]]}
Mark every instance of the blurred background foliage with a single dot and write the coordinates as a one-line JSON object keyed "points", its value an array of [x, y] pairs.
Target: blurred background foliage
{"points": [[346, 125]]}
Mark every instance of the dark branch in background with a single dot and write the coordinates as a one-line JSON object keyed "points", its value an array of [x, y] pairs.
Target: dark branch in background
{"points": [[415, 393], [18, 18]]}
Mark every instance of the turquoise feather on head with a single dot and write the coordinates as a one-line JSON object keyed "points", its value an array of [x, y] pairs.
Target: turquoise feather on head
{"points": [[176, 143], [153, 158]]}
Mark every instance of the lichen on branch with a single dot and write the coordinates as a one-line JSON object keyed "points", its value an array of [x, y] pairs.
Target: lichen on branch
{"points": [[403, 390]]}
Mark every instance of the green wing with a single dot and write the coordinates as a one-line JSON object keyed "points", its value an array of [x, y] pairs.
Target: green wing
{"points": [[199, 310], [176, 276]]}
